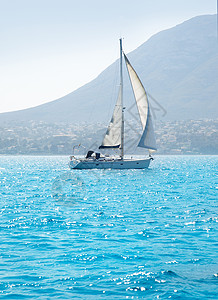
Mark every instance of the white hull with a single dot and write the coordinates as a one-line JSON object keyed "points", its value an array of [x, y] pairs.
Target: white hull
{"points": [[110, 164]]}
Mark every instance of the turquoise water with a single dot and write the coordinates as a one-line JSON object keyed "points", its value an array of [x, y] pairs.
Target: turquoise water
{"points": [[108, 234]]}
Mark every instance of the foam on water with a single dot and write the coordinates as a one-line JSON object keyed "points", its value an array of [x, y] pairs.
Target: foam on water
{"points": [[129, 234]]}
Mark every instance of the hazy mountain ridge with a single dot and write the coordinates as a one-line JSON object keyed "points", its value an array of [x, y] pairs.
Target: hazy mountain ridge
{"points": [[178, 66]]}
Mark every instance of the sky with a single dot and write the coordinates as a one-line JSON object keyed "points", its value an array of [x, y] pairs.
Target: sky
{"points": [[50, 48]]}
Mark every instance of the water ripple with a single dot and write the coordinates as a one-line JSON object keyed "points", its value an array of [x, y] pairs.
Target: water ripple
{"points": [[131, 234]]}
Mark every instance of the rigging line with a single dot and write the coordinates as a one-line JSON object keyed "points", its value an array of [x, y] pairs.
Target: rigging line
{"points": [[114, 89]]}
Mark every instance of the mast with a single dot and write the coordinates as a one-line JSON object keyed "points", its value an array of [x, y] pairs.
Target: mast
{"points": [[121, 91]]}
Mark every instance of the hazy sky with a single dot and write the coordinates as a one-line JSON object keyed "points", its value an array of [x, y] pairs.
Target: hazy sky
{"points": [[51, 47]]}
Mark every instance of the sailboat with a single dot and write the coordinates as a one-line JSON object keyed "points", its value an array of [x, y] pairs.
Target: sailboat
{"points": [[114, 137]]}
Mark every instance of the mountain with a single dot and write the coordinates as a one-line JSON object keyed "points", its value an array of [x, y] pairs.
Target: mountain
{"points": [[178, 66]]}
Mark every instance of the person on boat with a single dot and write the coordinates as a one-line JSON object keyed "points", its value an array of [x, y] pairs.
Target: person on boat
{"points": [[89, 154]]}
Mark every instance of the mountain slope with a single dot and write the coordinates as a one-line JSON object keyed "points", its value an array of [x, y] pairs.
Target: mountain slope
{"points": [[179, 67]]}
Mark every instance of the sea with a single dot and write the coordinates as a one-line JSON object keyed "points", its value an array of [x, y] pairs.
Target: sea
{"points": [[108, 234]]}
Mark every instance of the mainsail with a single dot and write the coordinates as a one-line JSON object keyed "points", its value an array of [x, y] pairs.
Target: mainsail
{"points": [[112, 138], [147, 139]]}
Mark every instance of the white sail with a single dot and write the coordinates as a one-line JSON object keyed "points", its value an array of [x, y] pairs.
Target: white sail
{"points": [[147, 139], [112, 137]]}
